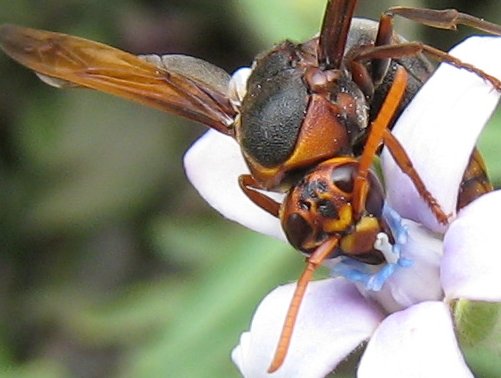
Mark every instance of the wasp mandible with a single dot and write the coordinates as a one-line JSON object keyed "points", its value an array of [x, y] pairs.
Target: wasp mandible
{"points": [[309, 118]]}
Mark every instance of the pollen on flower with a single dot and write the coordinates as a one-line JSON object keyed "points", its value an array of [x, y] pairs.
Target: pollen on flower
{"points": [[370, 276]]}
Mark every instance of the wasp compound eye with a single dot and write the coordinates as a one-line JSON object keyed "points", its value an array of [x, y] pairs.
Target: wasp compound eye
{"points": [[375, 197], [343, 177], [298, 230]]}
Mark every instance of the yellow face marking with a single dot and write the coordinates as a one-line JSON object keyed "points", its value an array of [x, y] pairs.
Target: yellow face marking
{"points": [[362, 239], [344, 221]]}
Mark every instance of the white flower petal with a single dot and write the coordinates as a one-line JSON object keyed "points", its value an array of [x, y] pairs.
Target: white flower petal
{"points": [[213, 165], [416, 342], [334, 319], [421, 280], [472, 260], [439, 129]]}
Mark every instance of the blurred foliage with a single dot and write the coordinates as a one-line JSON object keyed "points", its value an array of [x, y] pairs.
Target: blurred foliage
{"points": [[111, 265]]}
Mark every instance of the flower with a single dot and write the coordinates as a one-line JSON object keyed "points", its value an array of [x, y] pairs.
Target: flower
{"points": [[408, 323]]}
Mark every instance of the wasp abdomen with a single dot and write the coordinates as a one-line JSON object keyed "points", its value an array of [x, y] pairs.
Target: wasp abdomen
{"points": [[475, 181]]}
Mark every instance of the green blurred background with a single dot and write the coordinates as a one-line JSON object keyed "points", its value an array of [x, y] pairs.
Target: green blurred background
{"points": [[111, 265]]}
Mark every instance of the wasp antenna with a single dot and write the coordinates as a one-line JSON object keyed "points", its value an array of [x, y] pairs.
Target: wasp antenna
{"points": [[314, 261]]}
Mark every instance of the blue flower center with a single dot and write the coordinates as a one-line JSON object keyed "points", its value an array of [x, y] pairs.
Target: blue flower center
{"points": [[374, 277]]}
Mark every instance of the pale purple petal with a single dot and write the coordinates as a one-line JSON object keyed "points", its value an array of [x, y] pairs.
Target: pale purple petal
{"points": [[472, 259], [334, 319], [416, 342], [213, 165], [439, 129], [418, 282]]}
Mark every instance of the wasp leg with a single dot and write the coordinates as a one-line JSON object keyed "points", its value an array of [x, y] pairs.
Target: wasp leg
{"points": [[407, 49], [380, 134], [405, 164], [443, 19], [362, 77], [379, 128], [249, 186]]}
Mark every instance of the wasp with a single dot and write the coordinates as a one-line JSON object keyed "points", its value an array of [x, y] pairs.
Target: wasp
{"points": [[309, 118]]}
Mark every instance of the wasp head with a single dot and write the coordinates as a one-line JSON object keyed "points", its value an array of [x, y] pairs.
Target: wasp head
{"points": [[320, 207]]}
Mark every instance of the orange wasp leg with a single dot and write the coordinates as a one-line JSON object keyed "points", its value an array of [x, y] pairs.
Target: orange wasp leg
{"points": [[314, 261], [249, 186], [404, 162], [380, 133], [409, 49], [376, 136]]}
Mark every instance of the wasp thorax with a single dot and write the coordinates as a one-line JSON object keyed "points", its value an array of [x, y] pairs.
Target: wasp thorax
{"points": [[273, 108], [322, 81], [320, 207], [294, 115]]}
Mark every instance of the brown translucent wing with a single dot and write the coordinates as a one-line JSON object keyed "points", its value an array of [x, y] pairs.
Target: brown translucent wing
{"points": [[61, 58]]}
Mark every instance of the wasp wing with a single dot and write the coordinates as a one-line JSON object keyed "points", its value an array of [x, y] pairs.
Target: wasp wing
{"points": [[334, 32], [177, 84]]}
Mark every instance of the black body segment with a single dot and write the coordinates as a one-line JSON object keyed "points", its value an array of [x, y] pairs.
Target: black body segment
{"points": [[274, 107]]}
